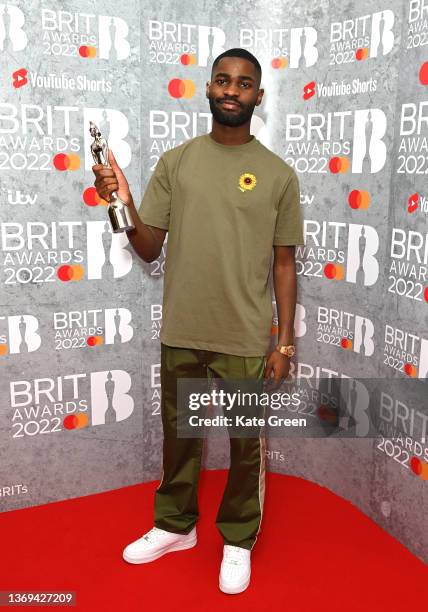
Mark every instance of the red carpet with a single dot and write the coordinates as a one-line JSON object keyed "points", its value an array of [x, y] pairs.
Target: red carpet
{"points": [[316, 552]]}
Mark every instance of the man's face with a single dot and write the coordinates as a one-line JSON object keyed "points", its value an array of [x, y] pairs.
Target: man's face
{"points": [[234, 80]]}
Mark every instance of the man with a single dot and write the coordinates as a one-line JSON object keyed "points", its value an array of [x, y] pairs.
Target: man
{"points": [[226, 201]]}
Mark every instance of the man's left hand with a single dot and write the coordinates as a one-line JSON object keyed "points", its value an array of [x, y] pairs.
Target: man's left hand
{"points": [[277, 368]]}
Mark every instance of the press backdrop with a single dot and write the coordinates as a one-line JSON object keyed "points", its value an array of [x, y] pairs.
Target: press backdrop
{"points": [[345, 104]]}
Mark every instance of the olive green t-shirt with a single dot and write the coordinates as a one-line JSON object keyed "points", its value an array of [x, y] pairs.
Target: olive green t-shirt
{"points": [[224, 208]]}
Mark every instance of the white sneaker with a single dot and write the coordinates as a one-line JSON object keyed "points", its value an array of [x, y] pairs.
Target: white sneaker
{"points": [[235, 569], [156, 543]]}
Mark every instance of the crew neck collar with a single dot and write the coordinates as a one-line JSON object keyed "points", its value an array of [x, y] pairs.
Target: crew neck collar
{"points": [[218, 145]]}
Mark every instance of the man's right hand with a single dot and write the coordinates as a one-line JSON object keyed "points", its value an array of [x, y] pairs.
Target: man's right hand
{"points": [[111, 179], [147, 241]]}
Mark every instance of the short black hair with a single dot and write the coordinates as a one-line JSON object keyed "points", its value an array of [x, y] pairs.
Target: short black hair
{"points": [[244, 54]]}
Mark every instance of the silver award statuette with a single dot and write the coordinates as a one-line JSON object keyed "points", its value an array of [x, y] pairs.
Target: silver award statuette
{"points": [[120, 217]]}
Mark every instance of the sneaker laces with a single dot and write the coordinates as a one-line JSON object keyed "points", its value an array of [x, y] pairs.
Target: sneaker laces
{"points": [[154, 534], [234, 554]]}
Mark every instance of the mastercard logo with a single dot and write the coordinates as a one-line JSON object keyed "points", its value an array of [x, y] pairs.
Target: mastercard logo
{"points": [[76, 421], [410, 370], [419, 467], [94, 340], [3, 349], [85, 51], [423, 74], [362, 53], [91, 198], [188, 59], [334, 271], [338, 165], [327, 413], [63, 161], [279, 62], [359, 199], [73, 272], [346, 343], [181, 88]]}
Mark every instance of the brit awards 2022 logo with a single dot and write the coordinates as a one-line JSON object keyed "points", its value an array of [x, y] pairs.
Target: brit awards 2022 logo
{"points": [[339, 251], [184, 43], [408, 265], [417, 24], [284, 47], [405, 352], [156, 320], [49, 138], [327, 393], [336, 142], [169, 129], [345, 330], [67, 33], [84, 34], [69, 401], [61, 251], [92, 327], [412, 159], [361, 38]]}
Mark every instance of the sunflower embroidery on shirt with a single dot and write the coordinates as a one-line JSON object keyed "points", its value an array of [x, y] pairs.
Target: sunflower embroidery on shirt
{"points": [[247, 181]]}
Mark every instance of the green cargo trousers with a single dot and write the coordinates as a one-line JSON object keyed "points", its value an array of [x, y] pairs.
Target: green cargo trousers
{"points": [[176, 504]]}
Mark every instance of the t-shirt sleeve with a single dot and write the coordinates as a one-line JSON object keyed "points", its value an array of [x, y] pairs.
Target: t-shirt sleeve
{"points": [[155, 205], [289, 222]]}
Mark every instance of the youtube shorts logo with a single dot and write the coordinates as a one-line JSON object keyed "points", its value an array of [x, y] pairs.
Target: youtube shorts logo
{"points": [[412, 203], [309, 90], [19, 78]]}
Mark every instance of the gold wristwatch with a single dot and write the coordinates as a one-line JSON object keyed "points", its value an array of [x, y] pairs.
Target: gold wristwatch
{"points": [[287, 350]]}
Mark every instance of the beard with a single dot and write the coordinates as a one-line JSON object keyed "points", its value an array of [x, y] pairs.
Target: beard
{"points": [[231, 118]]}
